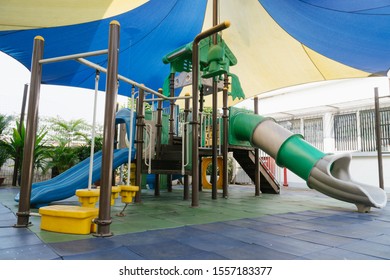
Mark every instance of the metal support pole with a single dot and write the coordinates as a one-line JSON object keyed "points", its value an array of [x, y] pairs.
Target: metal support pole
{"points": [[31, 131], [257, 155], [104, 219], [171, 107], [378, 134], [214, 137], [201, 105], [214, 147], [171, 122], [184, 136], [140, 141], [158, 142], [285, 181], [21, 123], [195, 113], [225, 148]]}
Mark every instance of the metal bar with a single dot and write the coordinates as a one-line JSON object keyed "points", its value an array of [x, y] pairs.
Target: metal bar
{"points": [[171, 106], [104, 219], [140, 141], [214, 115], [31, 131], [195, 113], [225, 148], [257, 155], [186, 130], [149, 137], [171, 122], [92, 150], [120, 77], [214, 136], [168, 98], [158, 141], [72, 56], [378, 135]]}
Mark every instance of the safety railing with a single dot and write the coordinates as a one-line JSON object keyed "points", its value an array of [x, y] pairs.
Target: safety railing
{"points": [[185, 146], [148, 145], [270, 166]]}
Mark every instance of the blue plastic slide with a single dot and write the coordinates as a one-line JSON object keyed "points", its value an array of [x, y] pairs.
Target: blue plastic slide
{"points": [[65, 185]]}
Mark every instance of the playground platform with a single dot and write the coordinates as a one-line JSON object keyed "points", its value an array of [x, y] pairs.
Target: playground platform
{"points": [[297, 224]]}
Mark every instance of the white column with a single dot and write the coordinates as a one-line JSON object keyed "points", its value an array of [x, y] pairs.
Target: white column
{"points": [[329, 143]]}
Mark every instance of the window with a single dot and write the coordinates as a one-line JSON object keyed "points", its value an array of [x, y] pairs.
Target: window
{"points": [[367, 128], [345, 132], [314, 132]]}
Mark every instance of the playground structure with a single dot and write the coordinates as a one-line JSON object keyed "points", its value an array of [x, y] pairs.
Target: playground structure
{"points": [[242, 132]]}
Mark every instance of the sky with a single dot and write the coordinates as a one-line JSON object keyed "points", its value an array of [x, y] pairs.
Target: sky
{"points": [[67, 102]]}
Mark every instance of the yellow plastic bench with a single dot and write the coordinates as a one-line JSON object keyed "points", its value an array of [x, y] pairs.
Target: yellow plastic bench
{"points": [[68, 219]]}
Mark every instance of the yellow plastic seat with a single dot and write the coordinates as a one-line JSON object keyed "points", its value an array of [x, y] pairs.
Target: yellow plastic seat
{"points": [[128, 193], [68, 219], [88, 198]]}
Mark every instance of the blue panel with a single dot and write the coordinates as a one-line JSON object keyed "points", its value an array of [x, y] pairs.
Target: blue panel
{"points": [[147, 34], [357, 6], [359, 40]]}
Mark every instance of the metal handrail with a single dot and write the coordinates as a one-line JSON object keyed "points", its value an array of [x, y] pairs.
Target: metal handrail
{"points": [[149, 164], [184, 147]]}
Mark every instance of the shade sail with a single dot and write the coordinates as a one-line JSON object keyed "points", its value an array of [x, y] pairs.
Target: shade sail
{"points": [[278, 43]]}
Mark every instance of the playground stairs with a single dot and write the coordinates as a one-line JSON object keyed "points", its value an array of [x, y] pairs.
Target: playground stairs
{"points": [[169, 161], [246, 158]]}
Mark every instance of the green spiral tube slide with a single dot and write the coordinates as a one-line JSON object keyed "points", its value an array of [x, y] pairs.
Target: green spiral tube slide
{"points": [[328, 174]]}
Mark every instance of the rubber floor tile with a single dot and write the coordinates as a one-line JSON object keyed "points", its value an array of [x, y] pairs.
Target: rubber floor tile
{"points": [[19, 240], [248, 235], [211, 242], [338, 254], [357, 231], [247, 223], [381, 239], [82, 246], [180, 232], [323, 238], [292, 246], [369, 248], [7, 219], [202, 256], [119, 253], [255, 252], [273, 219], [12, 231], [295, 216], [308, 225], [164, 250], [32, 252], [313, 214], [337, 220], [281, 230], [215, 227], [146, 238]]}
